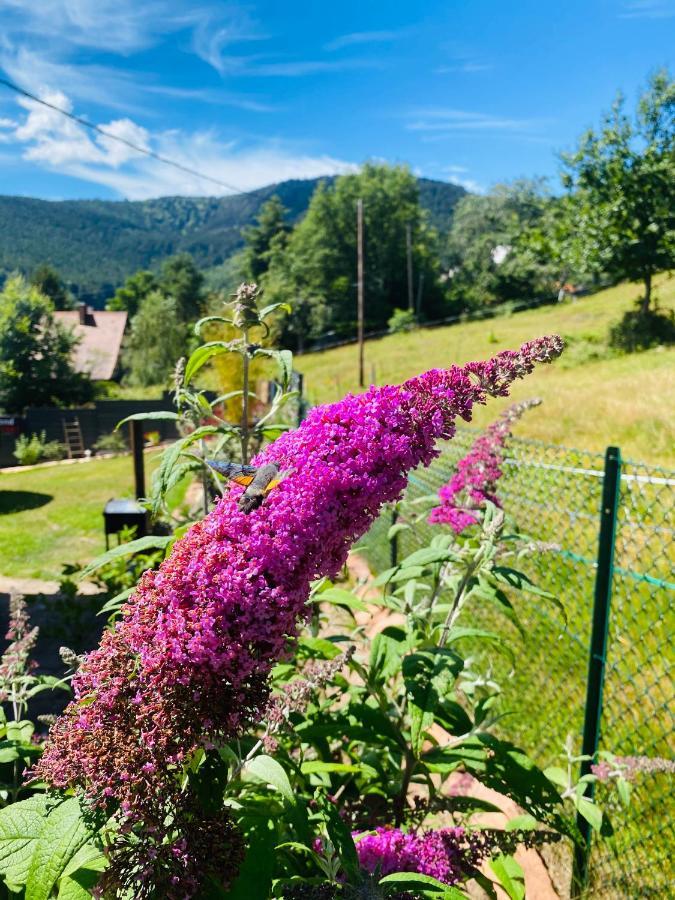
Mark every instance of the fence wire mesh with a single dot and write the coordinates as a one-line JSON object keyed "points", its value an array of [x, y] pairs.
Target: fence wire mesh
{"points": [[554, 495]]}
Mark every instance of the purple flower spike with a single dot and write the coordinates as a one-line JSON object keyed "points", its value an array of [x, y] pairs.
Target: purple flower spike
{"points": [[187, 664]]}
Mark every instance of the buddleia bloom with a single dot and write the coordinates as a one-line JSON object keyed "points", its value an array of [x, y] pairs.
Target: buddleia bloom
{"points": [[475, 480], [186, 665]]}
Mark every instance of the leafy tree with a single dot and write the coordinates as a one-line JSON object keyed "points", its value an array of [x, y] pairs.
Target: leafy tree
{"points": [[490, 262], [317, 267], [134, 290], [622, 183], [270, 228], [181, 279], [157, 338], [49, 283], [35, 352]]}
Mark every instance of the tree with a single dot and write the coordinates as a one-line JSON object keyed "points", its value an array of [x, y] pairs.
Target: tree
{"points": [[317, 265], [134, 290], [490, 262], [271, 228], [181, 279], [49, 283], [35, 352], [157, 338], [621, 180]]}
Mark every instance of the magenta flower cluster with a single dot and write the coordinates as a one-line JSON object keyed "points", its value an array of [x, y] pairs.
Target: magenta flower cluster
{"points": [[448, 854], [475, 480], [187, 664]]}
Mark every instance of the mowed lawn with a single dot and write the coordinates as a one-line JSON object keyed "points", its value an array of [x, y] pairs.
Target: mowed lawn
{"points": [[591, 397], [51, 515]]}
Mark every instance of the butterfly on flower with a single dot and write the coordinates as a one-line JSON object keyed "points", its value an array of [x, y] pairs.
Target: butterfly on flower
{"points": [[258, 480]]}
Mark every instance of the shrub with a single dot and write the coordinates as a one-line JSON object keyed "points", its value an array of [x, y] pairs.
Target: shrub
{"points": [[402, 320], [640, 330], [36, 448], [114, 442]]}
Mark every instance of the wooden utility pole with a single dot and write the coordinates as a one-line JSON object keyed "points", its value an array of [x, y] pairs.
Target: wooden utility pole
{"points": [[408, 252], [359, 252]]}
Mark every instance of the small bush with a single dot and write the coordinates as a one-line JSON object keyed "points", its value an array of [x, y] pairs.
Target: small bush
{"points": [[402, 320], [114, 442], [639, 330], [36, 448]]}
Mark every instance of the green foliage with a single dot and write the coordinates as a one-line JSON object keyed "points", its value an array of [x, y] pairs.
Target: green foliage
{"points": [[157, 337], [97, 244], [490, 262], [36, 448], [181, 279], [113, 442], [621, 180], [402, 320], [49, 283], [268, 236], [35, 352], [315, 269], [641, 329], [132, 293]]}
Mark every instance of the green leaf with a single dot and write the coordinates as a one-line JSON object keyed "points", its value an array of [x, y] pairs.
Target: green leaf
{"points": [[316, 766], [20, 731], [271, 772], [428, 675], [427, 555], [266, 310], [82, 873], [623, 787], [422, 885], [590, 812], [340, 597], [63, 834], [115, 603], [521, 823], [457, 633], [202, 355], [510, 876], [21, 825], [206, 320], [395, 529], [150, 542], [153, 416], [255, 875], [557, 776]]}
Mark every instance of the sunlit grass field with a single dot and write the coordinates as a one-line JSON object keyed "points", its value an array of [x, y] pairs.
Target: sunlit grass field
{"points": [[592, 397]]}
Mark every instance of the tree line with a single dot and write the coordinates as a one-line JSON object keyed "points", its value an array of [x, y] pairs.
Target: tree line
{"points": [[614, 219]]}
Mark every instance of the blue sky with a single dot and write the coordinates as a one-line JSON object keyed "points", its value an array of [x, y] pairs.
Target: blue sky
{"points": [[252, 93]]}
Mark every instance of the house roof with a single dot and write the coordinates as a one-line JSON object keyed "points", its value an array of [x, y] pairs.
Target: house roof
{"points": [[100, 340]]}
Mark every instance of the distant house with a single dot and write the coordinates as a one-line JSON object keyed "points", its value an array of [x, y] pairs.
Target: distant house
{"points": [[100, 340]]}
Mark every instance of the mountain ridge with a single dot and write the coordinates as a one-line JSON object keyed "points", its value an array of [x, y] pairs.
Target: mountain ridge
{"points": [[96, 244]]}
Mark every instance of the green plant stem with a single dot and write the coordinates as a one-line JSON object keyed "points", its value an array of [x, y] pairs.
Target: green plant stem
{"points": [[244, 404], [460, 597], [399, 802]]}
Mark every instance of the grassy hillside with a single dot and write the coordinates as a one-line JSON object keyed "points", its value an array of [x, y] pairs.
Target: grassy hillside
{"points": [[592, 398], [96, 244]]}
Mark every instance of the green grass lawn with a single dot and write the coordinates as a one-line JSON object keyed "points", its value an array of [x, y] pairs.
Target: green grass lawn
{"points": [[591, 397], [54, 515]]}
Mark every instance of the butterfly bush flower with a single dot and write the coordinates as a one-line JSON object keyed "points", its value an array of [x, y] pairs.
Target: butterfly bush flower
{"points": [[186, 665], [475, 480]]}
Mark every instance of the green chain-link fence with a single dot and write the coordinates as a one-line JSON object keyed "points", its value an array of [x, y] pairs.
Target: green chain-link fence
{"points": [[555, 495]]}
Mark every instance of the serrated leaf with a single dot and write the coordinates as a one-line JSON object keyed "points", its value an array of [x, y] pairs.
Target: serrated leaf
{"points": [[271, 772], [21, 825], [63, 834]]}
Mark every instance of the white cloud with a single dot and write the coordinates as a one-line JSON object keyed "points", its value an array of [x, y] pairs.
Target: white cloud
{"points": [[363, 37], [449, 120], [648, 9], [62, 145]]}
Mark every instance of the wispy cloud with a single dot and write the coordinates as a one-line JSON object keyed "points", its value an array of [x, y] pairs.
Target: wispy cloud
{"points": [[648, 9], [295, 68], [363, 37], [466, 67], [436, 119], [60, 145]]}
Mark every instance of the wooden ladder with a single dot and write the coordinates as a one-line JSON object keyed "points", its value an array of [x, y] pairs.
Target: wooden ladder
{"points": [[73, 437]]}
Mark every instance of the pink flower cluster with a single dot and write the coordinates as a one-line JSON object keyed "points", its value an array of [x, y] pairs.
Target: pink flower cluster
{"points": [[629, 767], [475, 480], [448, 854], [187, 664]]}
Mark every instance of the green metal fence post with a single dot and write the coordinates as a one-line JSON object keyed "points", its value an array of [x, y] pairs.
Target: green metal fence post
{"points": [[393, 543], [598, 650]]}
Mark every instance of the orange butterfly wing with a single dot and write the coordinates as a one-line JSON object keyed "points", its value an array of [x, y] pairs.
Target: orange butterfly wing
{"points": [[244, 480]]}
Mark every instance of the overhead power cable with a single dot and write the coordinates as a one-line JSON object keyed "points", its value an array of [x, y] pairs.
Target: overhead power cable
{"points": [[120, 140]]}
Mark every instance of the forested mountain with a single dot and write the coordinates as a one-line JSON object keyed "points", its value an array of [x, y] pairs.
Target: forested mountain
{"points": [[96, 244]]}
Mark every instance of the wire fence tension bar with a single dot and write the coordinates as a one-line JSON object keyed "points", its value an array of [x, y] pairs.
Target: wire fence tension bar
{"points": [[611, 488]]}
